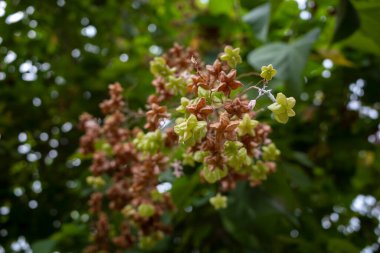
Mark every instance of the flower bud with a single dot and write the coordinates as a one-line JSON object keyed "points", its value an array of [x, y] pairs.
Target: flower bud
{"points": [[219, 201], [247, 126], [146, 210], [150, 142], [231, 56], [282, 108], [212, 175], [190, 130], [95, 182], [270, 152], [268, 72], [158, 67], [252, 104], [236, 154]]}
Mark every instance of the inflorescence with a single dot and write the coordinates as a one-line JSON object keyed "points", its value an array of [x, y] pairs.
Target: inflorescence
{"points": [[202, 110]]}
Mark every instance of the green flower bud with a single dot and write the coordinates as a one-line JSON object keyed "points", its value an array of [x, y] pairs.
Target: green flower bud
{"points": [[236, 155], [156, 195], [282, 108], [95, 182], [146, 242], [247, 126], [199, 156], [268, 72], [103, 145], [188, 159], [219, 201], [270, 152], [190, 130], [128, 211], [184, 103], [149, 241], [177, 85], [231, 56], [146, 210], [150, 142], [259, 171], [214, 175], [158, 67], [215, 98]]}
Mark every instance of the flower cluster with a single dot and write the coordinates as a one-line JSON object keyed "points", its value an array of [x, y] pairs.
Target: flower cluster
{"points": [[203, 110], [125, 167]]}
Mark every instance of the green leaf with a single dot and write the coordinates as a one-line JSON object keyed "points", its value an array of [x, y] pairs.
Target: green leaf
{"points": [[275, 4], [182, 189], [336, 245], [303, 159], [297, 176], [218, 7], [44, 246], [363, 43], [289, 59], [366, 39], [259, 18], [369, 17], [347, 21]]}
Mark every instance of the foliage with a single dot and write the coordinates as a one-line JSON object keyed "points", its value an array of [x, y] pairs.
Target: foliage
{"points": [[329, 151]]}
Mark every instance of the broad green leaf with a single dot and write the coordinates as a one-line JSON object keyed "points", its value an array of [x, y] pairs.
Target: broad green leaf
{"points": [[347, 21], [275, 4], [366, 39], [182, 189], [259, 19], [289, 59], [297, 176], [303, 159], [363, 43], [369, 17]]}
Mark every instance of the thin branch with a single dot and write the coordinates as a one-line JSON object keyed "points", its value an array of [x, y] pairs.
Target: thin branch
{"points": [[248, 74]]}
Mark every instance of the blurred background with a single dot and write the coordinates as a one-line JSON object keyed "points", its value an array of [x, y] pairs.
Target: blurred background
{"points": [[57, 58]]}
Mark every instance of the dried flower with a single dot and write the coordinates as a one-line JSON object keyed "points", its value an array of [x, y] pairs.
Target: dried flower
{"points": [[155, 115], [200, 109], [237, 107], [228, 82]]}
